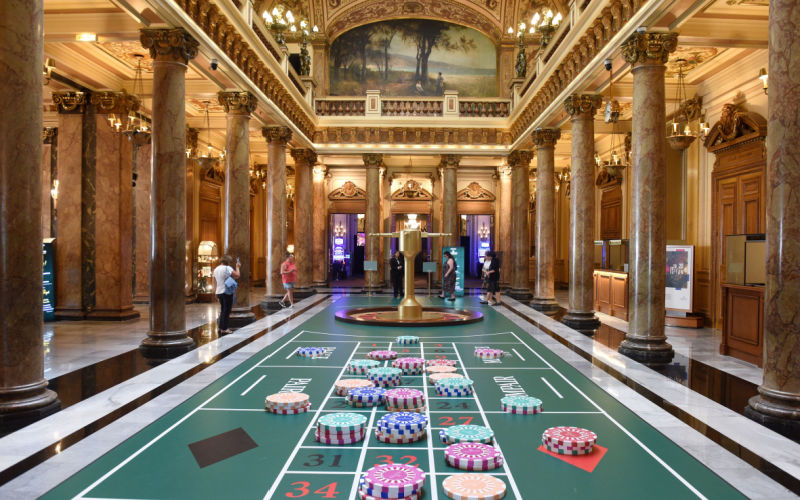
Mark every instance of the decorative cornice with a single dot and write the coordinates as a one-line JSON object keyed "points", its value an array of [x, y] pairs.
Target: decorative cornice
{"points": [[114, 102], [169, 44], [372, 160], [545, 137], [450, 161], [520, 158], [474, 192], [412, 135], [48, 134], [649, 48], [69, 102], [277, 135], [237, 103], [412, 190], [307, 156], [582, 104], [348, 191]]}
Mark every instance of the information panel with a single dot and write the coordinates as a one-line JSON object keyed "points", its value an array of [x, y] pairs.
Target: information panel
{"points": [[680, 270], [429, 267], [458, 255], [48, 279]]}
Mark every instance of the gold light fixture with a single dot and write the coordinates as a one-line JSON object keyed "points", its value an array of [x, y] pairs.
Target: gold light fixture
{"points": [[763, 76], [339, 231], [279, 21], [612, 109], [137, 133], [305, 58], [207, 160], [86, 37], [47, 70], [546, 27], [483, 232], [680, 134]]}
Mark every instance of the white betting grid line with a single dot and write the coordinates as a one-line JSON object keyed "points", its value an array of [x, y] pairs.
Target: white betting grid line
{"points": [[367, 437], [262, 377], [552, 388], [282, 473], [486, 421], [434, 489], [168, 429], [623, 429], [291, 354], [518, 354]]}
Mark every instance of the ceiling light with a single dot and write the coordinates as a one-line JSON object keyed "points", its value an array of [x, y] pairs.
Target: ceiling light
{"points": [[763, 76], [86, 37]]}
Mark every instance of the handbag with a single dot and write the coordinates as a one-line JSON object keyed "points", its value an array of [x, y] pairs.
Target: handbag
{"points": [[230, 285]]}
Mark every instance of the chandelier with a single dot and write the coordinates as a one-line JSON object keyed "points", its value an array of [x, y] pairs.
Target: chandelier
{"points": [[258, 175], [279, 21], [548, 25], [207, 160], [305, 58], [137, 133], [680, 135], [339, 231], [483, 232]]}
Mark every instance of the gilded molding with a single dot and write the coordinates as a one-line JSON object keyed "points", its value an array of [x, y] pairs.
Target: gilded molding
{"points": [[649, 48], [69, 102], [408, 135], [545, 137], [278, 135], [475, 192], [304, 155], [170, 44], [372, 160], [237, 103], [114, 102], [520, 158], [450, 161], [48, 134], [580, 104]]}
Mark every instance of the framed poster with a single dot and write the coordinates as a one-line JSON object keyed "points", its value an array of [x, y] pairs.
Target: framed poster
{"points": [[458, 255], [48, 279], [680, 278]]}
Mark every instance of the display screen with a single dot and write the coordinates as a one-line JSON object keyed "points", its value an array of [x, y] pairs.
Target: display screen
{"points": [[360, 239], [338, 241], [48, 281]]}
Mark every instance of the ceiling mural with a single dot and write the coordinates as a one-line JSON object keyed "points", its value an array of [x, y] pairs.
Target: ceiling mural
{"points": [[126, 53], [693, 57]]}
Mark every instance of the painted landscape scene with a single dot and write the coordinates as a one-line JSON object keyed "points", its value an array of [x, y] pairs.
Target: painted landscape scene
{"points": [[413, 57]]}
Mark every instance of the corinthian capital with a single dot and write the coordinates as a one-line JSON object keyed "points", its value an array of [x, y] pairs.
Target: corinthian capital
{"points": [[170, 44], [237, 103], [372, 160], [578, 104], [307, 156], [278, 135], [545, 137], [649, 48], [450, 161], [520, 158]]}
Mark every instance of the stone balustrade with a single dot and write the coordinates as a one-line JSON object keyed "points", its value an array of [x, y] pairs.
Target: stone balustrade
{"points": [[423, 107]]}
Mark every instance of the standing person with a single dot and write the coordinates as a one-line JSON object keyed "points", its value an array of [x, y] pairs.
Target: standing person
{"points": [[225, 295], [493, 278], [396, 273], [449, 278], [485, 278], [440, 84], [288, 277]]}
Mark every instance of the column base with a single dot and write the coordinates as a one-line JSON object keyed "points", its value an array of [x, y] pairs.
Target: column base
{"points": [[659, 352], [271, 304], [241, 317], [582, 322], [166, 345], [546, 305], [303, 292], [775, 414], [521, 294], [319, 284], [69, 314], [113, 315], [30, 411]]}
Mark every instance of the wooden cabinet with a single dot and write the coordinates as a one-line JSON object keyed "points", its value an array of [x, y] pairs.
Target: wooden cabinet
{"points": [[743, 322], [611, 293], [611, 211]]}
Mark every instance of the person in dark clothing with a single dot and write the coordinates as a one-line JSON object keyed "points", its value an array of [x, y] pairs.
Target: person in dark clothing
{"points": [[396, 273], [449, 278], [493, 279]]}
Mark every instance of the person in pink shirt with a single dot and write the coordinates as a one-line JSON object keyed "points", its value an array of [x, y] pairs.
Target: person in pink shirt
{"points": [[288, 277]]}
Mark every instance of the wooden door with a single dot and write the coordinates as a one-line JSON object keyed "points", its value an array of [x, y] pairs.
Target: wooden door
{"points": [[611, 213], [726, 214], [751, 216]]}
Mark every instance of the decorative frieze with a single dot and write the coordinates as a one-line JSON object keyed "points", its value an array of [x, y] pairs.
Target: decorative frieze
{"points": [[409, 135], [69, 102], [238, 103], [172, 44], [120, 103]]}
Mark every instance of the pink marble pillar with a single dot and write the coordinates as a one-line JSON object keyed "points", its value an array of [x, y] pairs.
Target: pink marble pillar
{"points": [[372, 223], [238, 106], [304, 160], [545, 295], [141, 217], [580, 314], [320, 224], [170, 50], [277, 137], [449, 166], [24, 396], [778, 404], [520, 161], [645, 340]]}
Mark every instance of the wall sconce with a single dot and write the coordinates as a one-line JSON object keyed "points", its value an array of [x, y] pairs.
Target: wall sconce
{"points": [[47, 71], [763, 76], [54, 191], [290, 248]]}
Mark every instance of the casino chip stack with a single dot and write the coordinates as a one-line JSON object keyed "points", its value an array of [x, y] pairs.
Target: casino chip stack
{"points": [[487, 353], [441, 362], [435, 377], [410, 366], [569, 440], [365, 397], [454, 387], [360, 366], [309, 352], [473, 456], [392, 482], [401, 427], [343, 386], [470, 486], [405, 400], [406, 340], [287, 403], [341, 428], [382, 355], [385, 376], [524, 405], [467, 434], [440, 369]]}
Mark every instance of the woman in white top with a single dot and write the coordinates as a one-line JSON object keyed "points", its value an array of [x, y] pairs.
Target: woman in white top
{"points": [[222, 272]]}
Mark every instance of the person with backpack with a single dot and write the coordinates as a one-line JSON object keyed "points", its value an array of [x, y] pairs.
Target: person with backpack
{"points": [[225, 278], [449, 278]]}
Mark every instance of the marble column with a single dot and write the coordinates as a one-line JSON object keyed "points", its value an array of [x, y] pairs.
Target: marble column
{"points": [[778, 403], [277, 138], [170, 50], [645, 341], [503, 241], [304, 160], [24, 396], [580, 314], [141, 220], [449, 166], [320, 224], [520, 161], [544, 291], [372, 223], [238, 107]]}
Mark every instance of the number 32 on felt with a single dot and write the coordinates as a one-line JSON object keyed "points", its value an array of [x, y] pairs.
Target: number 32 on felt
{"points": [[303, 488]]}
